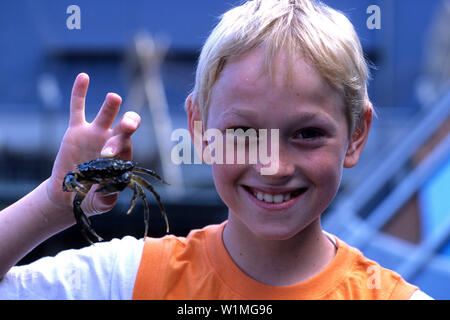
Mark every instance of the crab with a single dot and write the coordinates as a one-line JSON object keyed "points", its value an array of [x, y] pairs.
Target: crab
{"points": [[112, 175]]}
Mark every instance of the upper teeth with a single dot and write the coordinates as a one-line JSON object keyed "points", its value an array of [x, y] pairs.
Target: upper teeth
{"points": [[276, 198]]}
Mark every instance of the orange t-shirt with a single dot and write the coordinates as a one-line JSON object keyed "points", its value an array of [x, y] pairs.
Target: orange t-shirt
{"points": [[199, 267]]}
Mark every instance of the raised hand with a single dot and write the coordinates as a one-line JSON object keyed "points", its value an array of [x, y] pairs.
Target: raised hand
{"points": [[84, 141]]}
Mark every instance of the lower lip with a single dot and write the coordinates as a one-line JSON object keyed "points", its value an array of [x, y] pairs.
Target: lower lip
{"points": [[274, 206]]}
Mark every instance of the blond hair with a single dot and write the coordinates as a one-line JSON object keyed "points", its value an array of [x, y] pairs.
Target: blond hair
{"points": [[302, 27]]}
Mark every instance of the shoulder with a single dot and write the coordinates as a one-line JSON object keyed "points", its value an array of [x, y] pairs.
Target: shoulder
{"points": [[367, 279], [167, 260], [104, 270], [194, 240], [172, 249]]}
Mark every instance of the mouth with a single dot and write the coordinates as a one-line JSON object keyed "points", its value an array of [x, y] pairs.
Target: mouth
{"points": [[275, 198]]}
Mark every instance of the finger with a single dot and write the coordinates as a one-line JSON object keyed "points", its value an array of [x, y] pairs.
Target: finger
{"points": [[119, 146], [108, 112], [128, 124], [96, 203], [104, 202], [78, 98]]}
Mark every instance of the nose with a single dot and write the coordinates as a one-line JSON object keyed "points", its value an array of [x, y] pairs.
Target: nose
{"points": [[280, 165]]}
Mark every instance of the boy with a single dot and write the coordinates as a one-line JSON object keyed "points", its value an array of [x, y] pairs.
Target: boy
{"points": [[294, 66]]}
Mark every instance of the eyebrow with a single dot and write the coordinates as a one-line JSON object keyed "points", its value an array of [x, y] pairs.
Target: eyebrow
{"points": [[310, 116], [302, 116], [243, 113], [305, 116]]}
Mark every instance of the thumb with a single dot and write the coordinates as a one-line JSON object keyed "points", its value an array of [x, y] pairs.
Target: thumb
{"points": [[119, 146], [98, 202]]}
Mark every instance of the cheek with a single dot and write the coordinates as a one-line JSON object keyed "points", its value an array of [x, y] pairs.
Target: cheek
{"points": [[324, 170], [226, 177], [221, 178]]}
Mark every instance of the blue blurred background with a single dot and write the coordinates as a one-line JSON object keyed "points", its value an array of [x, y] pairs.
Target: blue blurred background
{"points": [[394, 206]]}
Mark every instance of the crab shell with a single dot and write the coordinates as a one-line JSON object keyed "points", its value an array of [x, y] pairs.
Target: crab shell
{"points": [[105, 167]]}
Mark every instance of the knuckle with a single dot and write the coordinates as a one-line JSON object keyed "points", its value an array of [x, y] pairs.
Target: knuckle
{"points": [[90, 205]]}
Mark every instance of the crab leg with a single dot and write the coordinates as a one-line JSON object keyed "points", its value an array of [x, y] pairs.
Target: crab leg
{"points": [[80, 188], [133, 186], [142, 182], [71, 183], [82, 220], [146, 209], [151, 173]]}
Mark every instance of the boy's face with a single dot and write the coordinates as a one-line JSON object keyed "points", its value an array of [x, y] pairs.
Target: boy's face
{"points": [[314, 144]]}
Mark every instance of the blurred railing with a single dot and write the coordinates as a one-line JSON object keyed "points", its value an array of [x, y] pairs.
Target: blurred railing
{"points": [[383, 169], [415, 262], [359, 232]]}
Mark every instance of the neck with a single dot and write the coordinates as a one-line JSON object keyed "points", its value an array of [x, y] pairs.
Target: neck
{"points": [[278, 262]]}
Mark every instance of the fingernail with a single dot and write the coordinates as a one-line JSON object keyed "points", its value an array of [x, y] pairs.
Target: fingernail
{"points": [[107, 152], [131, 120], [83, 75], [115, 96]]}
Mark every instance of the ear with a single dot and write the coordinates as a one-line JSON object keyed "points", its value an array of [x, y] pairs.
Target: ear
{"points": [[358, 140], [195, 124]]}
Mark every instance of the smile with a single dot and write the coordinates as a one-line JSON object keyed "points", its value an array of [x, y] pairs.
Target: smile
{"points": [[275, 197]]}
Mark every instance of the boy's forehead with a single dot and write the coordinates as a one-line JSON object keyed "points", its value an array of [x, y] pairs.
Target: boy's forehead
{"points": [[247, 68], [250, 73]]}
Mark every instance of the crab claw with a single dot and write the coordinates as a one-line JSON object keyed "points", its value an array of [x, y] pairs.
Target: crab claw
{"points": [[82, 220], [71, 184]]}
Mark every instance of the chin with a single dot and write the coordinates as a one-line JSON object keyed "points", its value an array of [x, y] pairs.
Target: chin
{"points": [[275, 232]]}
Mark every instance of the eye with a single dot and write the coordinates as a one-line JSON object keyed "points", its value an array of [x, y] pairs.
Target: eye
{"points": [[310, 133]]}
